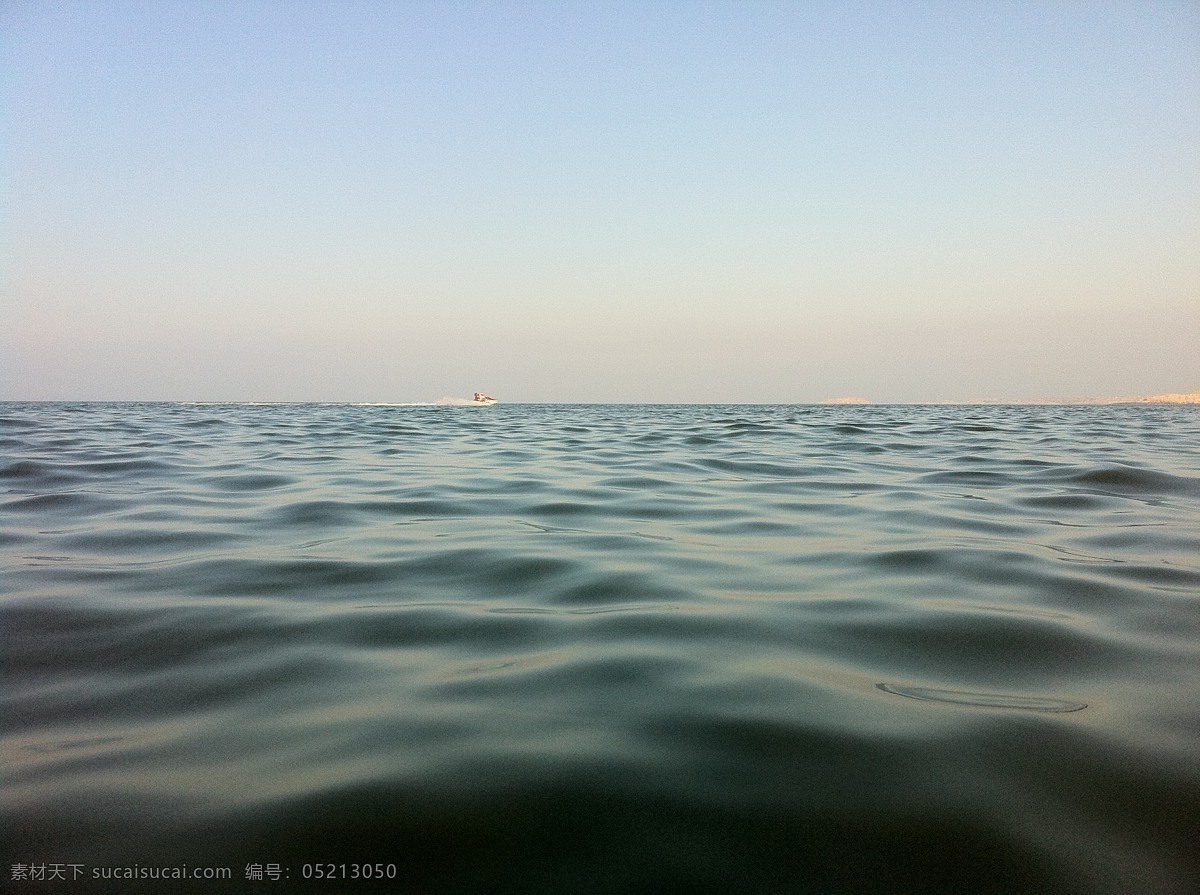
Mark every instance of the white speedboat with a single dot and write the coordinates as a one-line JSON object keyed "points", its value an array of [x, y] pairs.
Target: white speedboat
{"points": [[481, 398]]}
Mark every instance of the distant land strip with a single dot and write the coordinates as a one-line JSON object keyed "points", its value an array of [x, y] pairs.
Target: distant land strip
{"points": [[1192, 398]]}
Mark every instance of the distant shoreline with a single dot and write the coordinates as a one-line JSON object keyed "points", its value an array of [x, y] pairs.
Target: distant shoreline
{"points": [[1156, 399], [1193, 398]]}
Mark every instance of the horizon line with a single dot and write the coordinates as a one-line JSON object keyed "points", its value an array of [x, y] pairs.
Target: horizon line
{"points": [[1178, 399]]}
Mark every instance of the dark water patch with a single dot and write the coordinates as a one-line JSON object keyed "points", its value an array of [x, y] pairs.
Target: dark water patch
{"points": [[505, 572], [975, 477], [812, 508], [417, 508], [1035, 463], [450, 626], [559, 508], [32, 474], [1145, 540], [184, 689], [973, 459], [979, 647], [614, 682], [139, 540], [1185, 580], [210, 422], [547, 833], [910, 560], [12, 540], [865, 449], [23, 469], [658, 626], [663, 509], [1131, 480], [1069, 502], [622, 588], [752, 527], [73, 744], [638, 483], [746, 427], [49, 636], [17, 423], [518, 456], [315, 513], [315, 578], [129, 466], [74, 503], [250, 482], [748, 468]]}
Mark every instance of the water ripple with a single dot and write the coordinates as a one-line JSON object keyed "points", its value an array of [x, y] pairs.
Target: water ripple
{"points": [[985, 700]]}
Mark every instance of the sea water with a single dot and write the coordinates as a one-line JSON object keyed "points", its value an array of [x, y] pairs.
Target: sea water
{"points": [[535, 648]]}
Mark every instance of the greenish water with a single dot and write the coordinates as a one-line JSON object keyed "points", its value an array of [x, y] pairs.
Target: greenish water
{"points": [[538, 648]]}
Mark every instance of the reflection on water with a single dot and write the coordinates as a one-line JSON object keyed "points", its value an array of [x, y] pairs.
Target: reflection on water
{"points": [[541, 648]]}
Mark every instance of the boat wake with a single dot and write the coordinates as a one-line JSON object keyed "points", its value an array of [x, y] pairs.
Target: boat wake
{"points": [[464, 402], [440, 402]]}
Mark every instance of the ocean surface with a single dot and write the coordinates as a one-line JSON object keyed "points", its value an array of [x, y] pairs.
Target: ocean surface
{"points": [[541, 648]]}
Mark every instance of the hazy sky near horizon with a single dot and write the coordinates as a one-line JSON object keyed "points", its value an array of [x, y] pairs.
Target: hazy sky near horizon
{"points": [[600, 201]]}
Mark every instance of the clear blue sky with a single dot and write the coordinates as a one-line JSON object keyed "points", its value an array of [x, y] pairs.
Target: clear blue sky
{"points": [[599, 201]]}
